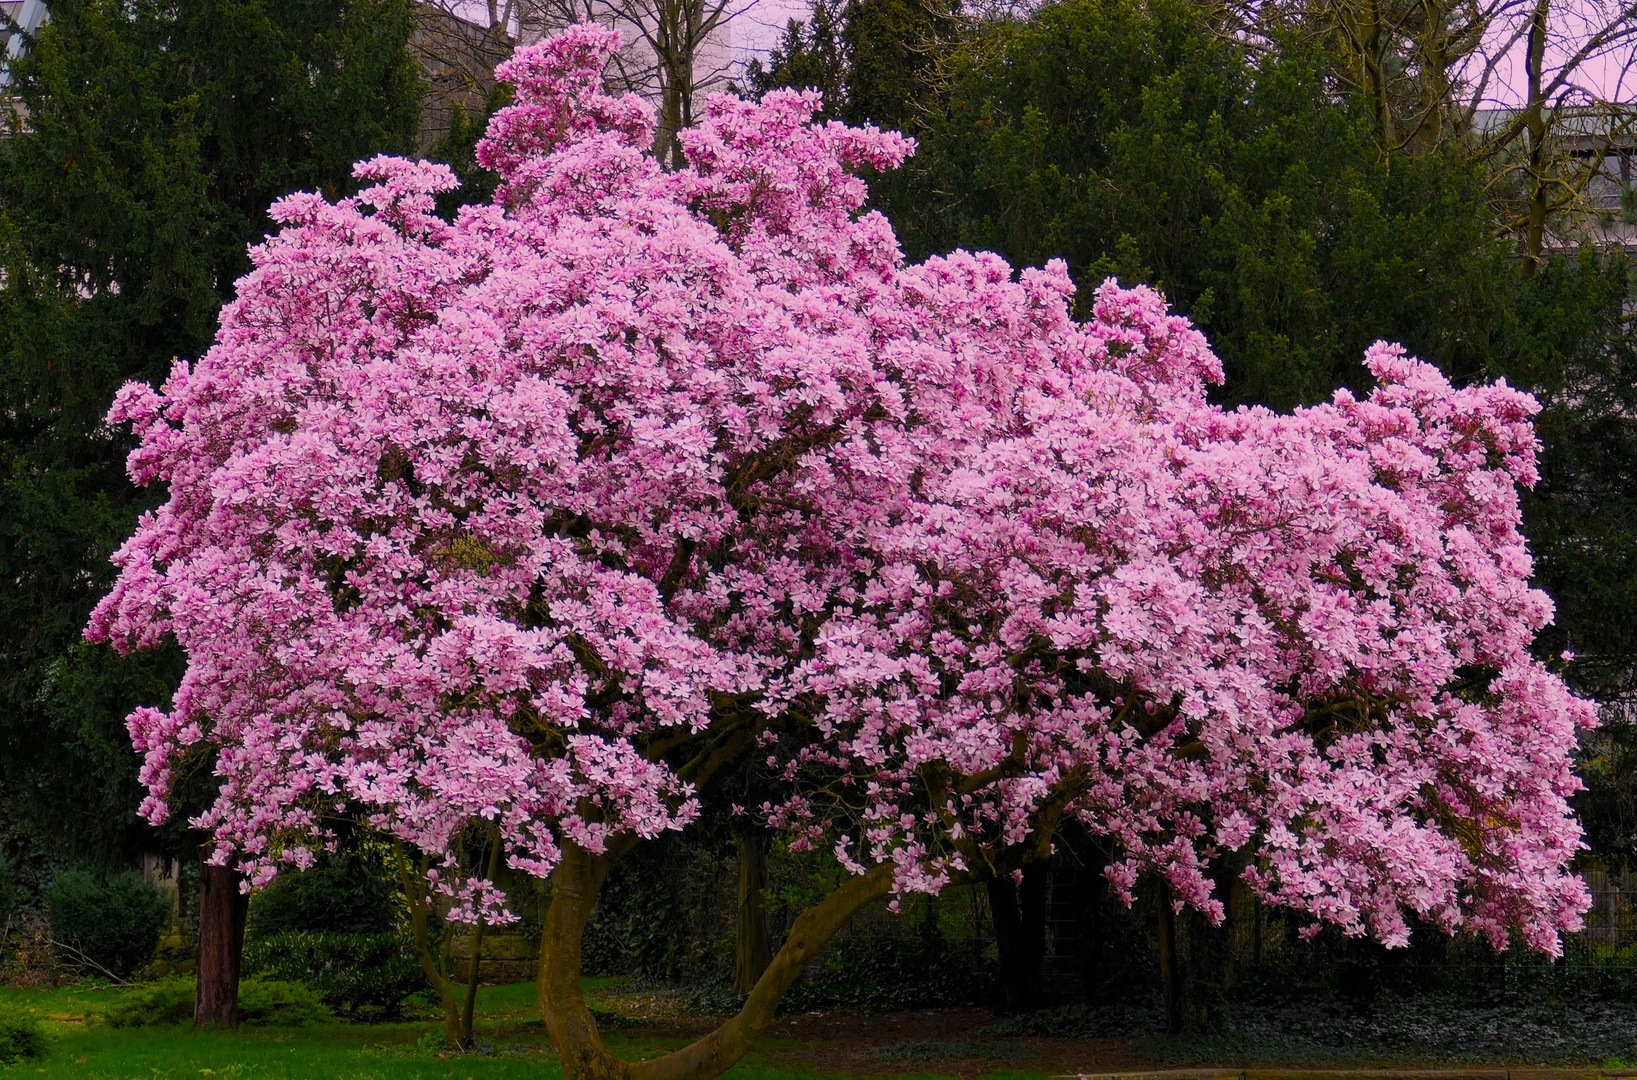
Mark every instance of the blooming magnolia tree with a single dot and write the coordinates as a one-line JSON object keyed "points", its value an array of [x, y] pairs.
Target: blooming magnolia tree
{"points": [[554, 517]]}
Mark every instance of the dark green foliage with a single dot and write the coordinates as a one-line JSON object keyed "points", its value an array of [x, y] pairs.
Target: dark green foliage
{"points": [[1433, 1027], [1608, 807], [1421, 1029], [1083, 1021], [891, 47], [364, 976], [1572, 346], [8, 897], [938, 1050], [884, 971], [20, 1036], [809, 57], [112, 919], [165, 1001], [271, 1003], [263, 1002], [651, 894], [871, 59], [345, 894], [157, 134], [334, 928], [877, 968], [457, 147], [1133, 139]]}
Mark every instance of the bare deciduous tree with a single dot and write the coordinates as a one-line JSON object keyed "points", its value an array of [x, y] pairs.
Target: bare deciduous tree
{"points": [[676, 51], [1537, 89], [458, 44]]}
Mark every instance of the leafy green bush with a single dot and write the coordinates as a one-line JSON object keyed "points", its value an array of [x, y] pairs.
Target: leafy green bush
{"points": [[8, 890], [265, 1002], [1415, 1029], [166, 1001], [869, 971], [366, 976], [20, 1037], [112, 919], [346, 894], [275, 1003]]}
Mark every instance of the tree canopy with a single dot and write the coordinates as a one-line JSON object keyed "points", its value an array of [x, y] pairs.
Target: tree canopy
{"points": [[149, 141], [552, 515]]}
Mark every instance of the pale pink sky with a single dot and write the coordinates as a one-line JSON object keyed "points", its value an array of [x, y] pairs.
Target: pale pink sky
{"points": [[1607, 75]]}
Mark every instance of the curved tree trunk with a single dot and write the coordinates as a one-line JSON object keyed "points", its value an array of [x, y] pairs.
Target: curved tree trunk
{"points": [[222, 913], [436, 968], [574, 887], [469, 1009]]}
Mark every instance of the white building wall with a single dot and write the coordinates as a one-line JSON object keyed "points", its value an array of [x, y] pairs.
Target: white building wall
{"points": [[30, 15]]}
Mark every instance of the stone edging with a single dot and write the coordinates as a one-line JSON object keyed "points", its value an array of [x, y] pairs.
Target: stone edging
{"points": [[1362, 1074]]}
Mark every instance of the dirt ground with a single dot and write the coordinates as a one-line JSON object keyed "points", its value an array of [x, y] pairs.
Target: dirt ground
{"points": [[946, 1041], [942, 1040]]}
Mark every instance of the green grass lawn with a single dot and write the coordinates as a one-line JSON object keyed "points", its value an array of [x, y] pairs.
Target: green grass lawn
{"points": [[85, 1049], [1416, 1033]]}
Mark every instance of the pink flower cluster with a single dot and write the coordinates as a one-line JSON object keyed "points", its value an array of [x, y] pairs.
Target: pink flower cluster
{"points": [[484, 520]]}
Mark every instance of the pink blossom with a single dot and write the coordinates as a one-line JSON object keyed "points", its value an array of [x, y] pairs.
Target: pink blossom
{"points": [[483, 520]]}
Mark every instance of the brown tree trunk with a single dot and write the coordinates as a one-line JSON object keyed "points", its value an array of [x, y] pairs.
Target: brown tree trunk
{"points": [[753, 949], [469, 1008], [574, 886], [222, 912], [1534, 231], [1170, 967], [667, 148], [575, 882], [436, 968], [1019, 912]]}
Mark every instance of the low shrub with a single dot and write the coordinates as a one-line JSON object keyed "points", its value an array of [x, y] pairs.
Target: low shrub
{"points": [[364, 976], [20, 1036], [1082, 1020], [870, 971], [277, 1003], [112, 920], [263, 1002], [165, 1001], [8, 891], [348, 893]]}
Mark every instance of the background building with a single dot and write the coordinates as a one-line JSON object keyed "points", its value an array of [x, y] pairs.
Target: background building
{"points": [[18, 18]]}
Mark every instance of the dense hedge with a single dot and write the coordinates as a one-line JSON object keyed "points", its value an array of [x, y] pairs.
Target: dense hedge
{"points": [[112, 919], [265, 1002], [364, 976]]}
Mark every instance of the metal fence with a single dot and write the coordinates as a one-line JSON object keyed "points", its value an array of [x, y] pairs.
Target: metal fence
{"points": [[1612, 921]]}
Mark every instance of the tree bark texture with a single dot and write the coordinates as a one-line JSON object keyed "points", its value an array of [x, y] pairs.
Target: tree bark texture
{"points": [[1170, 963], [1019, 911], [469, 1008], [753, 949], [1534, 234], [222, 913], [457, 1019], [575, 884]]}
